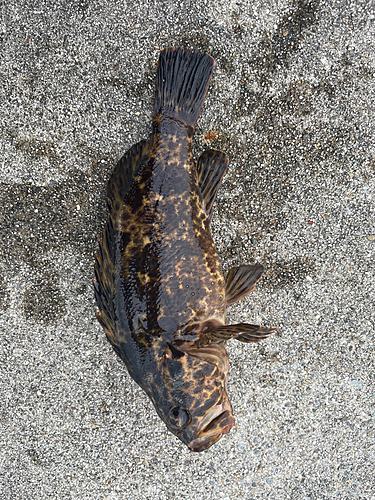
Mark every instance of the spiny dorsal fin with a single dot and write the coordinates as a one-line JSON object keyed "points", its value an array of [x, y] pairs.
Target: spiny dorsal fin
{"points": [[123, 175], [243, 332], [211, 167], [240, 281], [181, 84]]}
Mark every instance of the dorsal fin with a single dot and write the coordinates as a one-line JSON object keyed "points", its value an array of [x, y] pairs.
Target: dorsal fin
{"points": [[104, 286], [123, 175], [211, 167], [240, 281], [117, 188]]}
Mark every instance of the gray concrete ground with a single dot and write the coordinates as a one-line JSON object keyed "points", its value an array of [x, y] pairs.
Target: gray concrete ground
{"points": [[292, 104]]}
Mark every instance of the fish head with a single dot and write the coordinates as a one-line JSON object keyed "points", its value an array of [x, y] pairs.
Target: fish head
{"points": [[190, 394]]}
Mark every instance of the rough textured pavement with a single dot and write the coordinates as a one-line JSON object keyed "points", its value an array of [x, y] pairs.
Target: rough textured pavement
{"points": [[292, 104]]}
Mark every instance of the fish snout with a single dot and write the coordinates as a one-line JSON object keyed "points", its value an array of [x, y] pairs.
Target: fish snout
{"points": [[217, 421]]}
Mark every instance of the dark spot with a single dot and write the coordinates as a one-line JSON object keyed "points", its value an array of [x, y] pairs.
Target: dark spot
{"points": [[120, 80], [236, 26], [146, 86], [3, 293], [174, 352], [36, 457], [275, 50], [282, 274], [104, 408], [4, 418], [43, 301], [210, 400], [81, 288], [35, 220], [349, 62], [36, 149], [8, 134], [82, 5]]}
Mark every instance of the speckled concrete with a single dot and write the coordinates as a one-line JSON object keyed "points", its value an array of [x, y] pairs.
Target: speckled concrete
{"points": [[292, 104]]}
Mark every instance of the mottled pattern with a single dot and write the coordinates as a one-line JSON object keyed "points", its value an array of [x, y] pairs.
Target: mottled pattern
{"points": [[160, 287], [171, 282], [168, 258]]}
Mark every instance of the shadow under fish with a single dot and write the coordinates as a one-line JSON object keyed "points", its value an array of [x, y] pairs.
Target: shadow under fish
{"points": [[159, 284]]}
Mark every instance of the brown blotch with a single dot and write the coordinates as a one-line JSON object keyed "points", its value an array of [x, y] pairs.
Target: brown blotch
{"points": [[211, 136]]}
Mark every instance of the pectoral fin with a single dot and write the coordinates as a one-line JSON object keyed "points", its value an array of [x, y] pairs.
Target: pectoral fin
{"points": [[243, 332], [214, 354], [211, 167], [240, 281]]}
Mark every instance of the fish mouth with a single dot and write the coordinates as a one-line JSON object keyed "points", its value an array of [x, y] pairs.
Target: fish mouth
{"points": [[218, 421]]}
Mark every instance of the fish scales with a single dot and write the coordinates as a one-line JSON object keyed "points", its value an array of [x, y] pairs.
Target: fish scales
{"points": [[160, 288], [161, 222]]}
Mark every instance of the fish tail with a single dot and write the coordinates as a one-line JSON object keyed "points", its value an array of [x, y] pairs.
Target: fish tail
{"points": [[181, 84]]}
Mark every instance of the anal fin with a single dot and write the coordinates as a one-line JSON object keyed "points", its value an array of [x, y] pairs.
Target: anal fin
{"points": [[211, 167], [240, 281]]}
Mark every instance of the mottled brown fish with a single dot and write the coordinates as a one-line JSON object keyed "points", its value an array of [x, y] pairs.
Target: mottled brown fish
{"points": [[160, 287]]}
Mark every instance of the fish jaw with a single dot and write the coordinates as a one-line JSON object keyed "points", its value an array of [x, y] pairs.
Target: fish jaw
{"points": [[216, 422]]}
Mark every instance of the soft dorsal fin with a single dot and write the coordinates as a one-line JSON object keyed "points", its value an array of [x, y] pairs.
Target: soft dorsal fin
{"points": [[104, 286], [117, 188], [243, 332], [211, 167], [123, 175], [240, 281]]}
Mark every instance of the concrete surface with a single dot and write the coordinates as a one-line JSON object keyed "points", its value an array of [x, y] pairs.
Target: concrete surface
{"points": [[292, 104]]}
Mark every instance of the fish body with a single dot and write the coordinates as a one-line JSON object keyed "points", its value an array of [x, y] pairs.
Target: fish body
{"points": [[160, 288]]}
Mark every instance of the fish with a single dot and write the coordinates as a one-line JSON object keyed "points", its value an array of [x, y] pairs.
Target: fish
{"points": [[160, 289]]}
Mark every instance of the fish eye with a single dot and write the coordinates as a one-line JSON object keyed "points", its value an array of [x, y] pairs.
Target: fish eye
{"points": [[179, 417]]}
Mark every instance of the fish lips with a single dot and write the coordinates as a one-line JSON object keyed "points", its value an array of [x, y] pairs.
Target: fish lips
{"points": [[218, 421]]}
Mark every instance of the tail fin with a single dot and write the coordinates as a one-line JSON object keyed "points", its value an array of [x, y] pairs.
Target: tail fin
{"points": [[181, 85]]}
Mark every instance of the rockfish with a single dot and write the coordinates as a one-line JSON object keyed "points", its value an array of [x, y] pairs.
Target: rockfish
{"points": [[160, 288]]}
